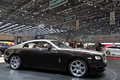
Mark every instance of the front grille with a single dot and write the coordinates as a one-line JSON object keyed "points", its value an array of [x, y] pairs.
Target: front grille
{"points": [[100, 69]]}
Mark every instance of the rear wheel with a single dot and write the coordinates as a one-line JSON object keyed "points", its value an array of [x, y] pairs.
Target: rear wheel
{"points": [[107, 52], [78, 68], [15, 62]]}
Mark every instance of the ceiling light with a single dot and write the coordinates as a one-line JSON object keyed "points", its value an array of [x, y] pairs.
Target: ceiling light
{"points": [[84, 1], [22, 14], [40, 5], [15, 6], [33, 0], [79, 0], [58, 13], [65, 5], [89, 4], [95, 6]]}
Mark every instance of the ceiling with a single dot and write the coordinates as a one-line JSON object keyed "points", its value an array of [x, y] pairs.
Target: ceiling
{"points": [[26, 17]]}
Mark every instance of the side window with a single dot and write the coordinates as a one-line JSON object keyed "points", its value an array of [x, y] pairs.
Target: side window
{"points": [[114, 47], [40, 44], [43, 44], [30, 45]]}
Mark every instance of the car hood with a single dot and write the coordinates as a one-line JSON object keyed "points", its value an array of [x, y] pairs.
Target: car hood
{"points": [[82, 50]]}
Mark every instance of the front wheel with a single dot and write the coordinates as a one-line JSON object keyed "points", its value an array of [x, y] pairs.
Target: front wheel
{"points": [[78, 68], [15, 62]]}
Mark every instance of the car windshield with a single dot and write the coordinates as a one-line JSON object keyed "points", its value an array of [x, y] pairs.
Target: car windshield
{"points": [[60, 44]]}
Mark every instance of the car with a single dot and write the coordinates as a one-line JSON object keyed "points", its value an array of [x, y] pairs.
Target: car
{"points": [[54, 55], [112, 51], [3, 47]]}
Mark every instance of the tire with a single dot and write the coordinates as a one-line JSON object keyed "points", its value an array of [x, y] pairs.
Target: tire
{"points": [[15, 62], [107, 52], [78, 68]]}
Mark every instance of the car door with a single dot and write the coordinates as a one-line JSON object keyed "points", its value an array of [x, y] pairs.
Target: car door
{"points": [[54, 59], [114, 50], [118, 51], [49, 57], [30, 54]]}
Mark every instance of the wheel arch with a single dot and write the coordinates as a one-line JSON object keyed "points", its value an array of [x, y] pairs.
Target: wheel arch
{"points": [[13, 55]]}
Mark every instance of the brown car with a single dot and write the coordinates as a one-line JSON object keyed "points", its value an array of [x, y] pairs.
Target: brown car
{"points": [[54, 55]]}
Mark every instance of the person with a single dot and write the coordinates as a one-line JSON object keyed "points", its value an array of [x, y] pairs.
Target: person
{"points": [[81, 44], [56, 38], [65, 42], [98, 47], [39, 45], [69, 43], [74, 44]]}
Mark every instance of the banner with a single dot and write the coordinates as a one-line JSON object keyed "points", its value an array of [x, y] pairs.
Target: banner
{"points": [[112, 18], [77, 25], [56, 3], [70, 18]]}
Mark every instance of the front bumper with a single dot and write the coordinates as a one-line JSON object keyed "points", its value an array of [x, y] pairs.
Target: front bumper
{"points": [[97, 66], [6, 59], [97, 69]]}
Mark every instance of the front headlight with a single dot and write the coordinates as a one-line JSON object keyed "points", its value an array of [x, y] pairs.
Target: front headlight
{"points": [[97, 57]]}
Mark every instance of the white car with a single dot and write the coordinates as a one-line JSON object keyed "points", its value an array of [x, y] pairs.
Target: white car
{"points": [[112, 51]]}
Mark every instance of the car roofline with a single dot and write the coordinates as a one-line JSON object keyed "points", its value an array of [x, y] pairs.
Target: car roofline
{"points": [[38, 40]]}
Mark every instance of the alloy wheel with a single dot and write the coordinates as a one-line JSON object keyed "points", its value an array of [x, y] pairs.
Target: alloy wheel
{"points": [[15, 62], [78, 68]]}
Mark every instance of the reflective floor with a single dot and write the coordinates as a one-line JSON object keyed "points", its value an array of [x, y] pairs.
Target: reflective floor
{"points": [[6, 73]]}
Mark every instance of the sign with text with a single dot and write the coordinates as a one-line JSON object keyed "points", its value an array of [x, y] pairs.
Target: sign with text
{"points": [[70, 18], [56, 3], [112, 18], [41, 25]]}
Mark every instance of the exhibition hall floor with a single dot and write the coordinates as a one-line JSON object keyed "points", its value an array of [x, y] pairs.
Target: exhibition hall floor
{"points": [[6, 73]]}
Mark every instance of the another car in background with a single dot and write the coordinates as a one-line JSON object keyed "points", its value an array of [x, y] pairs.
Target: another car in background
{"points": [[54, 55], [112, 51], [3, 47]]}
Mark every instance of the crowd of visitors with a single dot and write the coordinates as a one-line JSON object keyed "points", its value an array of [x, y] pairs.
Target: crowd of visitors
{"points": [[73, 44]]}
